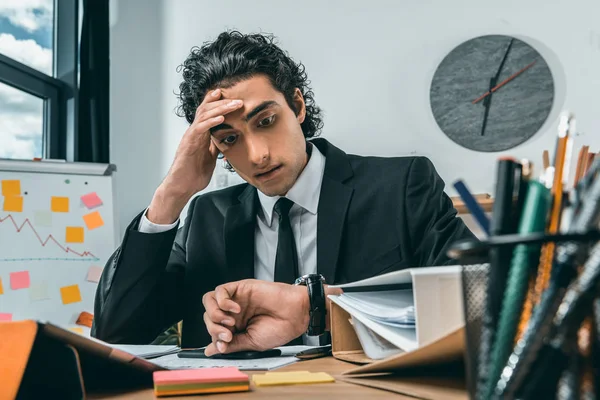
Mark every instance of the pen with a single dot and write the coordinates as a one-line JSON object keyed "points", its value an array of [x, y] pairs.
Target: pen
{"points": [[472, 205], [533, 220], [526, 351], [315, 352]]}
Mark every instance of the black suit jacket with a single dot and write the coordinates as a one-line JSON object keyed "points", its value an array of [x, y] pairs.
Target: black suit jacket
{"points": [[375, 215]]}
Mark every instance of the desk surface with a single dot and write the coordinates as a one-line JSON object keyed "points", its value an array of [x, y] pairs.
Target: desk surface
{"points": [[330, 365]]}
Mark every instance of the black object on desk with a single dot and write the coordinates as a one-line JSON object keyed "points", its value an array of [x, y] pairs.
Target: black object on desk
{"points": [[315, 352], [239, 355]]}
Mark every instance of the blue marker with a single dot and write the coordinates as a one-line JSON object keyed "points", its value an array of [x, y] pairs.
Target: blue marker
{"points": [[472, 205]]}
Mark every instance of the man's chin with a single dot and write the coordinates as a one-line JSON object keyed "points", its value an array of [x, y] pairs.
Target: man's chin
{"points": [[273, 189]]}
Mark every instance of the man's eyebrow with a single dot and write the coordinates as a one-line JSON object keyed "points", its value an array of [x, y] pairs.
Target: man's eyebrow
{"points": [[247, 117], [259, 108]]}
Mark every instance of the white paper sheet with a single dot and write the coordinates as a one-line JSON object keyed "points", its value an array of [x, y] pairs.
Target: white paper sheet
{"points": [[171, 361], [146, 351]]}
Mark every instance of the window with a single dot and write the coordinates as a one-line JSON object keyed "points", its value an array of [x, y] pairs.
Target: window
{"points": [[38, 77], [21, 124]]}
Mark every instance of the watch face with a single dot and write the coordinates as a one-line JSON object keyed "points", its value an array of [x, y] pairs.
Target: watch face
{"points": [[492, 93]]}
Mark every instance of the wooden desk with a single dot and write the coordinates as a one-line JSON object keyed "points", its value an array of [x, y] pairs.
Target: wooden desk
{"points": [[330, 391]]}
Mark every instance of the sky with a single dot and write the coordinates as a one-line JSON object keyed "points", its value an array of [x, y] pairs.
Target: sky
{"points": [[26, 36]]}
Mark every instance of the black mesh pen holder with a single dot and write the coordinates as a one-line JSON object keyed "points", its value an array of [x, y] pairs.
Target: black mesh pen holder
{"points": [[560, 344]]}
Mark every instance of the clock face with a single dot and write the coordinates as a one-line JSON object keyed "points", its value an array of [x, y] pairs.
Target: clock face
{"points": [[492, 93]]}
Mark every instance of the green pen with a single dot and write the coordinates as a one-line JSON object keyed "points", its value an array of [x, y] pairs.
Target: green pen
{"points": [[533, 219]]}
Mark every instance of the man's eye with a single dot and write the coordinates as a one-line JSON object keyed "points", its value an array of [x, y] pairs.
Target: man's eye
{"points": [[229, 139], [266, 121]]}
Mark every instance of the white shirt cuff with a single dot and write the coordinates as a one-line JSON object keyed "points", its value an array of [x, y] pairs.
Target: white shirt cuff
{"points": [[150, 227]]}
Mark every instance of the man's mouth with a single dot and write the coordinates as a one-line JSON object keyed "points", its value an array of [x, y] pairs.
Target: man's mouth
{"points": [[267, 174]]}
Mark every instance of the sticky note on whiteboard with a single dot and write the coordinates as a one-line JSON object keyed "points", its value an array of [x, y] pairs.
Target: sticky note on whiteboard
{"points": [[11, 188], [13, 204], [70, 294], [94, 274], [5, 317], [74, 234], [19, 280], [59, 204], [39, 291], [93, 220], [1, 288], [77, 330], [91, 200]]}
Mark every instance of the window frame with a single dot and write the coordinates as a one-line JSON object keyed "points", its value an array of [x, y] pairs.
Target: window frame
{"points": [[60, 91]]}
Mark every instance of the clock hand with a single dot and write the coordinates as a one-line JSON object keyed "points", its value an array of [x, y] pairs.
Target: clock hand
{"points": [[504, 59], [487, 103], [504, 82]]}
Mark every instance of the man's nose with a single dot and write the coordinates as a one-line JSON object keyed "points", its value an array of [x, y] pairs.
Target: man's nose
{"points": [[258, 151]]}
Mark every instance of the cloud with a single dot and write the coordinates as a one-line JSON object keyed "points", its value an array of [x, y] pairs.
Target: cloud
{"points": [[21, 114], [30, 15], [28, 52], [21, 124]]}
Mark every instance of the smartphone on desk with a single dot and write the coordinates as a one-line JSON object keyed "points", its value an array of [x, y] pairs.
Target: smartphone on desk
{"points": [[239, 355]]}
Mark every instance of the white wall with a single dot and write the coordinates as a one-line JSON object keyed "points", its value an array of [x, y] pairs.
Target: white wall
{"points": [[370, 64]]}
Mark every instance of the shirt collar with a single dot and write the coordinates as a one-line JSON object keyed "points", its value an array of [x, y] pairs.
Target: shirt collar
{"points": [[306, 189]]}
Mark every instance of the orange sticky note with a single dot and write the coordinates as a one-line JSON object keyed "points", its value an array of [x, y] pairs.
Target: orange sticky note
{"points": [[77, 330], [59, 204], [74, 234], [1, 288], [70, 294], [11, 188], [93, 220], [13, 203]]}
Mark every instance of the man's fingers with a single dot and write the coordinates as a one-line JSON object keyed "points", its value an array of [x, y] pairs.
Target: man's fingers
{"points": [[220, 107], [216, 331], [223, 295], [214, 151], [214, 312], [240, 342]]}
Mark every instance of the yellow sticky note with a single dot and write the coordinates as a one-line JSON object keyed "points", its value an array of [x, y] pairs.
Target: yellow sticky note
{"points": [[291, 378], [93, 220], [77, 330], [70, 294], [59, 204], [11, 188], [74, 234], [13, 203], [1, 288]]}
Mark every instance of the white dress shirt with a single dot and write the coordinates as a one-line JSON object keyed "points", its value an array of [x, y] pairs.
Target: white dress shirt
{"points": [[303, 218]]}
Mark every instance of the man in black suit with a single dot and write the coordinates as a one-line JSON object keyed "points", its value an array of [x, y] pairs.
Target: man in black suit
{"points": [[307, 206]]}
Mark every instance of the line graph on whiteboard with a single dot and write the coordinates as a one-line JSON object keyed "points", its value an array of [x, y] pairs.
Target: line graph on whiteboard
{"points": [[50, 240]]}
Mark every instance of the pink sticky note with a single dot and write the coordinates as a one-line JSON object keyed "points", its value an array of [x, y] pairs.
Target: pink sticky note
{"points": [[94, 274], [19, 280], [204, 375], [5, 317], [91, 200]]}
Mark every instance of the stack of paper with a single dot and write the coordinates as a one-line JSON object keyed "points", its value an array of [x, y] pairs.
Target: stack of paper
{"points": [[197, 381], [384, 321], [147, 351], [291, 378]]}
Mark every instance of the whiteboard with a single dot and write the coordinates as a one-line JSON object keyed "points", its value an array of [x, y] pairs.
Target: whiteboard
{"points": [[57, 230]]}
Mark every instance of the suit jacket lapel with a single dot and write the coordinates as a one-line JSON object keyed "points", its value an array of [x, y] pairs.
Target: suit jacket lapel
{"points": [[334, 201], [239, 229]]}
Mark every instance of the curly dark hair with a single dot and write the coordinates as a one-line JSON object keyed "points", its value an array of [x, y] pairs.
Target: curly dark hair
{"points": [[234, 57]]}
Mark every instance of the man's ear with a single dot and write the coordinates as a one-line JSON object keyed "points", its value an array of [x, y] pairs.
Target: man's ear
{"points": [[299, 105]]}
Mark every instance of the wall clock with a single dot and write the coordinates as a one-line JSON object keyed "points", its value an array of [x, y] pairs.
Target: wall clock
{"points": [[492, 93]]}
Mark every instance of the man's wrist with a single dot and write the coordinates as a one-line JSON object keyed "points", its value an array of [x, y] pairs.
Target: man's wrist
{"points": [[304, 306], [165, 208], [304, 301]]}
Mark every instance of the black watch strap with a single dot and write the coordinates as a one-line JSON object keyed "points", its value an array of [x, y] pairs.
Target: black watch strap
{"points": [[318, 311]]}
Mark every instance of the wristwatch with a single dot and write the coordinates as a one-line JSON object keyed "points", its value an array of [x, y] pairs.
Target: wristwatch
{"points": [[316, 295]]}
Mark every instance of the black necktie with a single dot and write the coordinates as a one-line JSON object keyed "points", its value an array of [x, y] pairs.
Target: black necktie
{"points": [[286, 261]]}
